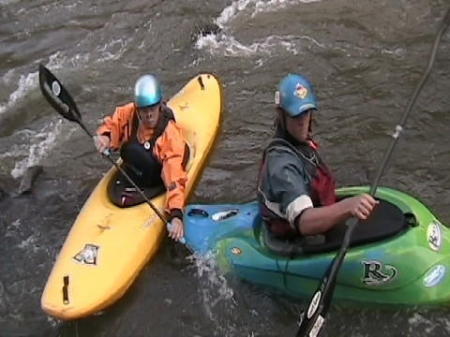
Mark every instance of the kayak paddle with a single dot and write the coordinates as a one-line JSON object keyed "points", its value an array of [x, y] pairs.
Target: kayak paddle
{"points": [[60, 99], [314, 317]]}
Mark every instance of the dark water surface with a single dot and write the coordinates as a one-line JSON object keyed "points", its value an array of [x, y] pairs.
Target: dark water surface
{"points": [[365, 58]]}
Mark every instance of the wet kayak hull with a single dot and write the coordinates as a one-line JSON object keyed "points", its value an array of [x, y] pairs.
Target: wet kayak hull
{"points": [[410, 267]]}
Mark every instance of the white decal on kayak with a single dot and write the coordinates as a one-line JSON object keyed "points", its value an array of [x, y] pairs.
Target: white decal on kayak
{"points": [[317, 326], [434, 276], [376, 273], [314, 304], [223, 215], [434, 236], [236, 251], [56, 88], [88, 255]]}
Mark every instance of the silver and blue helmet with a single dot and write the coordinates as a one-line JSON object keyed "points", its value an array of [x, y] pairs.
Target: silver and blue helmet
{"points": [[295, 95], [147, 91]]}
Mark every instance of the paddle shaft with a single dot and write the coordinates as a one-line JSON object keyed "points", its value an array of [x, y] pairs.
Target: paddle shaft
{"points": [[316, 311], [399, 128]]}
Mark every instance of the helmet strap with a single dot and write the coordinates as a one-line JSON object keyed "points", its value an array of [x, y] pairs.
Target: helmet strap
{"points": [[280, 123], [310, 126]]}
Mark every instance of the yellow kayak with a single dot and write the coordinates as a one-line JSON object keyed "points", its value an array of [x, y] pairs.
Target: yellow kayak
{"points": [[107, 246]]}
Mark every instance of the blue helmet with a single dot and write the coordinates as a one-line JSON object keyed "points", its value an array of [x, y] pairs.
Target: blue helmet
{"points": [[295, 95], [147, 91]]}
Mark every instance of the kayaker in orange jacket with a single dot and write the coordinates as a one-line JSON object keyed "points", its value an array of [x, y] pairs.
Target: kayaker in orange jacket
{"points": [[151, 146]]}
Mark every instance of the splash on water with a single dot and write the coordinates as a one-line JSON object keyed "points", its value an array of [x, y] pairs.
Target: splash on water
{"points": [[113, 50], [223, 43], [40, 144], [421, 322], [215, 290], [253, 7], [26, 82]]}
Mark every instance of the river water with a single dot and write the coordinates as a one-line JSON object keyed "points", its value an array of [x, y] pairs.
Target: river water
{"points": [[365, 58]]}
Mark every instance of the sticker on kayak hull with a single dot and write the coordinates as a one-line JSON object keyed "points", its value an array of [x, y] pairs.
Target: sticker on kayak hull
{"points": [[434, 276], [434, 236], [236, 251], [223, 215], [314, 304], [377, 273], [88, 255], [317, 326]]}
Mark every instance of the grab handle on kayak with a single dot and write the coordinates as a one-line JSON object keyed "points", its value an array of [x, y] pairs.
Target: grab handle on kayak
{"points": [[200, 81], [65, 289], [411, 219], [198, 212]]}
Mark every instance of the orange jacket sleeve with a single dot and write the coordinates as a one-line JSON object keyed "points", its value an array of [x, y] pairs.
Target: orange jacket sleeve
{"points": [[170, 149], [118, 125]]}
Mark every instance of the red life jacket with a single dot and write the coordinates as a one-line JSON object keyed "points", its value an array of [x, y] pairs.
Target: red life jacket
{"points": [[323, 183]]}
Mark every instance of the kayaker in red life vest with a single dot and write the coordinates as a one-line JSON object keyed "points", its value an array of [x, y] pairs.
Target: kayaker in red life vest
{"points": [[295, 188], [151, 146]]}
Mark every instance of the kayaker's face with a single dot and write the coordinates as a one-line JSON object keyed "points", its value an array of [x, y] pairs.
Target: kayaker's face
{"points": [[149, 116], [298, 127]]}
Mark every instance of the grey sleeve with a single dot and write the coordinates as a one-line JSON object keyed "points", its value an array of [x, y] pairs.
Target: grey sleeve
{"points": [[287, 183]]}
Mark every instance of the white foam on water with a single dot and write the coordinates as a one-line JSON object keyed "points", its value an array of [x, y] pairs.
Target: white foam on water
{"points": [[13, 228], [113, 50], [230, 12], [8, 2], [274, 5], [79, 60], [419, 322], [16, 224], [26, 82], [8, 76], [15, 151], [223, 44], [255, 7], [216, 289], [397, 52], [40, 144], [29, 244]]}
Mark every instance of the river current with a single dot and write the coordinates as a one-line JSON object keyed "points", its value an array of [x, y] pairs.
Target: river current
{"points": [[365, 59]]}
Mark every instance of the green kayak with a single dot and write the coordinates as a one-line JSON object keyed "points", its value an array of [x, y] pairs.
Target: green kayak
{"points": [[401, 255]]}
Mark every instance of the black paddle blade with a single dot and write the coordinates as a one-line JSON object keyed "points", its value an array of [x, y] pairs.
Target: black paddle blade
{"points": [[314, 318], [57, 95]]}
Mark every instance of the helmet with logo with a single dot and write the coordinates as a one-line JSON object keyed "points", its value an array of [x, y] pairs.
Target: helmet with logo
{"points": [[147, 91], [295, 95]]}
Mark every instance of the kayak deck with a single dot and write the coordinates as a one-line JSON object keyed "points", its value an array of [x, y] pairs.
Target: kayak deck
{"points": [[408, 267]]}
